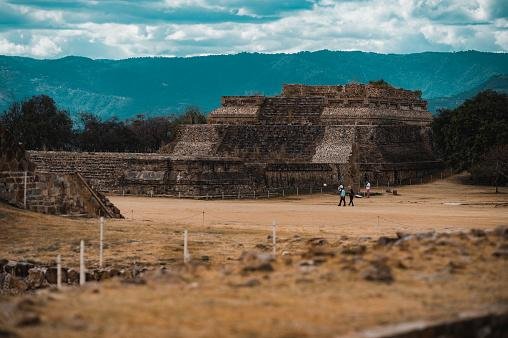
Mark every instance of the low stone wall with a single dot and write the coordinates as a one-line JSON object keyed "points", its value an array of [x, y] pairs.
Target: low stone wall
{"points": [[50, 192]]}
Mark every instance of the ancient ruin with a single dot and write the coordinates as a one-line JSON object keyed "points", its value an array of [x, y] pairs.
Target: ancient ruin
{"points": [[24, 186], [305, 139]]}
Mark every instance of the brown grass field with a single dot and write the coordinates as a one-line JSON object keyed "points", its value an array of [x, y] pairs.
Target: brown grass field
{"points": [[436, 278]]}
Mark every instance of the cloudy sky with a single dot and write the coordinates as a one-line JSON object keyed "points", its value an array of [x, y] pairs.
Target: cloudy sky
{"points": [[120, 28]]}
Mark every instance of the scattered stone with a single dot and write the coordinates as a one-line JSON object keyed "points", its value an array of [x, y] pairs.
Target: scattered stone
{"points": [[72, 276], [248, 284], [28, 319], [501, 231], [395, 193], [263, 247], [478, 233], [457, 265], [256, 261], [501, 251], [378, 271], [317, 241], [51, 275], [36, 278], [354, 249], [384, 240]]}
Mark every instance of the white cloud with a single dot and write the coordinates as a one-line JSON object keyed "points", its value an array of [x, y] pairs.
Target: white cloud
{"points": [[380, 26]]}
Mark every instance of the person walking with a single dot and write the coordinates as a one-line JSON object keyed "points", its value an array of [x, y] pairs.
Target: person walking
{"points": [[367, 187], [351, 197], [342, 196]]}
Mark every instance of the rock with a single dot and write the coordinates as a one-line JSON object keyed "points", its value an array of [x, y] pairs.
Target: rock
{"points": [[256, 261], [3, 262], [378, 271], [354, 249], [457, 265], [317, 241], [248, 284], [21, 269], [73, 276], [263, 247], [402, 234], [384, 240], [478, 233], [501, 231], [501, 251], [36, 278], [4, 333], [10, 267], [18, 284], [425, 235], [394, 191], [28, 319], [51, 275]]}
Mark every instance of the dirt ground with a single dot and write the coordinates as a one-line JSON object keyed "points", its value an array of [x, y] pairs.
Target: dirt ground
{"points": [[313, 290]]}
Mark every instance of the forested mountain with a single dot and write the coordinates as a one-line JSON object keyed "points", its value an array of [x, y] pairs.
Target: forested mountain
{"points": [[156, 85]]}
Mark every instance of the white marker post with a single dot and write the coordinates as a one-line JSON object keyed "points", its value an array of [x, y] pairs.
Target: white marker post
{"points": [[24, 190], [185, 247], [58, 272], [82, 263], [274, 238], [101, 239]]}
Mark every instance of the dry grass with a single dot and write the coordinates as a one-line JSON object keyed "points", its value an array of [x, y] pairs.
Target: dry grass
{"points": [[322, 301]]}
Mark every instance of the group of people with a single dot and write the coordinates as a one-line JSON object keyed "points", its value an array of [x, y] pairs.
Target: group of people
{"points": [[351, 193]]}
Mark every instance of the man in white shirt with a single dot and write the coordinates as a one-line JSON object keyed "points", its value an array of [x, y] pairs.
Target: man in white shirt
{"points": [[367, 187]]}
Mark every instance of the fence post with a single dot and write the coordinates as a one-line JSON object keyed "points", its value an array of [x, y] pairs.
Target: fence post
{"points": [[185, 247], [24, 190], [58, 272], [203, 218], [238, 194], [101, 238], [274, 238], [296, 191], [268, 193], [254, 193], [82, 262], [378, 221]]}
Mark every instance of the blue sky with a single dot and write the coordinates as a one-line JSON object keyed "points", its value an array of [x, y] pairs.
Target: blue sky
{"points": [[120, 29]]}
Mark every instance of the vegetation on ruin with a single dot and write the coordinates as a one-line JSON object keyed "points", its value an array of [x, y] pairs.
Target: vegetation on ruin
{"points": [[474, 137], [39, 125]]}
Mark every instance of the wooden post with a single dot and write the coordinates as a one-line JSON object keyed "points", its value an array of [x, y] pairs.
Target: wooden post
{"points": [[268, 192], [179, 194], [82, 263], [238, 194], [222, 195], [296, 191], [274, 238], [132, 214], [203, 218], [254, 193], [58, 272], [378, 221], [101, 238], [24, 190], [185, 247]]}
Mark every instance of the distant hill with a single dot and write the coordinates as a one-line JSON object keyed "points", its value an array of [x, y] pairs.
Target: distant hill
{"points": [[498, 83], [156, 85]]}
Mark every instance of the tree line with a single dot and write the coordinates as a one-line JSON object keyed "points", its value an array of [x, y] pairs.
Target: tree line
{"points": [[38, 124], [474, 137]]}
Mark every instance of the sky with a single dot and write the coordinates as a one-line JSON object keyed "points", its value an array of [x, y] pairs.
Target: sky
{"points": [[117, 29]]}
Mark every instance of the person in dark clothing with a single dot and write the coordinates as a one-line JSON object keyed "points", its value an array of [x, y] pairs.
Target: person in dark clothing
{"points": [[351, 197]]}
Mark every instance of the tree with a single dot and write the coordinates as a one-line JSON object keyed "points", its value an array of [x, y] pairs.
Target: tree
{"points": [[38, 124], [464, 135]]}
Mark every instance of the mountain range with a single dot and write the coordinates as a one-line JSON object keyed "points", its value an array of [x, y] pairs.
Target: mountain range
{"points": [[160, 85]]}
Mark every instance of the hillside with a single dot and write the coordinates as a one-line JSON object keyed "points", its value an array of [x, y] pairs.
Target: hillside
{"points": [[497, 83], [123, 88]]}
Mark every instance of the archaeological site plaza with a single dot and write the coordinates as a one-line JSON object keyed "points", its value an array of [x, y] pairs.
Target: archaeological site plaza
{"points": [[306, 139]]}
